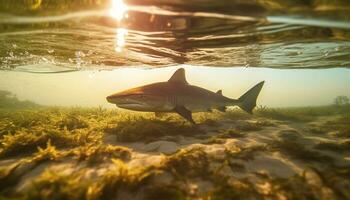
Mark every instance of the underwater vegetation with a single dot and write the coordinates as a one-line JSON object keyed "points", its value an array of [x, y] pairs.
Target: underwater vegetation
{"points": [[97, 153], [143, 129]]}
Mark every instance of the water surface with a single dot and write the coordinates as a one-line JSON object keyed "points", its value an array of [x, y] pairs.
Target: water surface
{"points": [[57, 36]]}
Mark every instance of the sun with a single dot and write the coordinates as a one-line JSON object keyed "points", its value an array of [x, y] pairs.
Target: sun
{"points": [[118, 9]]}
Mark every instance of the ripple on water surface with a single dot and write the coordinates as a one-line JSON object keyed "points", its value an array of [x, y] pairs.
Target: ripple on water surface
{"points": [[56, 36]]}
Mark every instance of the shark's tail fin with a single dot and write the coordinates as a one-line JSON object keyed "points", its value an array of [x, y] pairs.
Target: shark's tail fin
{"points": [[247, 101]]}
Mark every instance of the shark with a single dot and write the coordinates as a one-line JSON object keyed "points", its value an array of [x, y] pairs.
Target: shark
{"points": [[178, 96]]}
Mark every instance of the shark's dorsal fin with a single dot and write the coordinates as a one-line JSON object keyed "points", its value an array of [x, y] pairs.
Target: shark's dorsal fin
{"points": [[219, 92], [179, 77]]}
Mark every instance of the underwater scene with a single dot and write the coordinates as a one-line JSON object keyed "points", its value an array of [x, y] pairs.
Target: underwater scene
{"points": [[181, 99]]}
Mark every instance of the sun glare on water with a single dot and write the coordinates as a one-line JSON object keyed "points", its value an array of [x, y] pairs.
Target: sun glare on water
{"points": [[118, 9], [120, 43]]}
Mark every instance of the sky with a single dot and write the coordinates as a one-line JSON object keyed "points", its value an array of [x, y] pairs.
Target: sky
{"points": [[283, 87]]}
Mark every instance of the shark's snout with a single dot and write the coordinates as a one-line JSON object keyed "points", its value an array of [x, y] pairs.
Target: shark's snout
{"points": [[114, 98], [109, 99]]}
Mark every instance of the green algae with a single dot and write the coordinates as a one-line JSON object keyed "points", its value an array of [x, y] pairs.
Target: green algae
{"points": [[75, 136], [144, 129]]}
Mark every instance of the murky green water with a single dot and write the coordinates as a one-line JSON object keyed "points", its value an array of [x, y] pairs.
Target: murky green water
{"points": [[61, 139]]}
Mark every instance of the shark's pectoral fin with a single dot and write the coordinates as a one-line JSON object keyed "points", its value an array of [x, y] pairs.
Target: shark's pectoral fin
{"points": [[159, 114], [222, 108], [185, 113]]}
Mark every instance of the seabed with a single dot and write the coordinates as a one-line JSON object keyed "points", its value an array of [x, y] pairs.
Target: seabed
{"points": [[95, 153]]}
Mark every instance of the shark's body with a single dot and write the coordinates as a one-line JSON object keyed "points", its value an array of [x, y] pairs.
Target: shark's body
{"points": [[176, 95]]}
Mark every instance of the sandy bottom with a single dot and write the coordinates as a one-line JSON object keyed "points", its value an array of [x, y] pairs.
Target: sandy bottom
{"points": [[259, 157]]}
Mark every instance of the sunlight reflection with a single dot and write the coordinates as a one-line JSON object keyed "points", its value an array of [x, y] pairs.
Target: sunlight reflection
{"points": [[118, 9], [121, 33]]}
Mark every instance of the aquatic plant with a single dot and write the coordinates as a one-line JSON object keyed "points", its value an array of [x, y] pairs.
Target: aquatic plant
{"points": [[246, 154], [171, 192], [230, 133], [97, 154], [300, 114], [49, 153], [316, 130], [248, 126], [340, 125], [296, 150], [211, 123], [282, 114], [26, 142], [118, 181], [18, 119], [232, 189], [74, 138], [236, 114], [71, 122], [341, 146], [189, 163], [147, 130], [57, 186], [8, 178]]}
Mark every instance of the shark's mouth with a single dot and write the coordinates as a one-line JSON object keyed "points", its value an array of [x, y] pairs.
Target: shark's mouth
{"points": [[134, 106], [129, 104]]}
